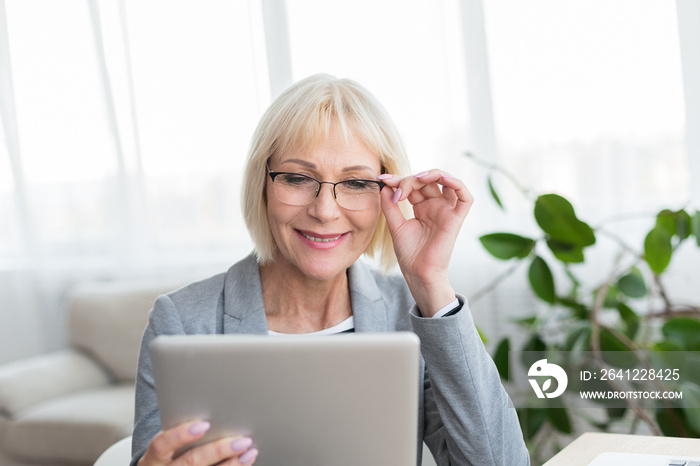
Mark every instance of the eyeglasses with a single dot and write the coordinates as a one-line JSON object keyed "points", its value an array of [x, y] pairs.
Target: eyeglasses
{"points": [[299, 190]]}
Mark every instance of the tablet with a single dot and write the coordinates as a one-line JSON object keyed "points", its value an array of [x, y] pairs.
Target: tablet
{"points": [[311, 400]]}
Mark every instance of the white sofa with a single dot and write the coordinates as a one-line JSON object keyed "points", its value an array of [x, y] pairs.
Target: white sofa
{"points": [[67, 407]]}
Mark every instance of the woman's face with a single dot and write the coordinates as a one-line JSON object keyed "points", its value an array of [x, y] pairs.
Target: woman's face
{"points": [[299, 230]]}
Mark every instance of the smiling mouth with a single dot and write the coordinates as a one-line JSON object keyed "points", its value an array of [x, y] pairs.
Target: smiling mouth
{"points": [[320, 240]]}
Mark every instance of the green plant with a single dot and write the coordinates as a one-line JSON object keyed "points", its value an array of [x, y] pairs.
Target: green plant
{"points": [[633, 290]]}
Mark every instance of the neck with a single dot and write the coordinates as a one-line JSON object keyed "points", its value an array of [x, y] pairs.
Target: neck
{"points": [[295, 303]]}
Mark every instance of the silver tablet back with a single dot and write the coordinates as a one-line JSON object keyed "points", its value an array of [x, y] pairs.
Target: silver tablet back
{"points": [[311, 400]]}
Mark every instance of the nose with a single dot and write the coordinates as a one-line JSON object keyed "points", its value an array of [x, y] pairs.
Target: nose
{"points": [[324, 207]]}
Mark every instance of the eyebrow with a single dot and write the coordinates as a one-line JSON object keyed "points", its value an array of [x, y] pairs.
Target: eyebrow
{"points": [[313, 165]]}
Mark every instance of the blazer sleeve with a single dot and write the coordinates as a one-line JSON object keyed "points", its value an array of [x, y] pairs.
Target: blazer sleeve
{"points": [[163, 319], [469, 417]]}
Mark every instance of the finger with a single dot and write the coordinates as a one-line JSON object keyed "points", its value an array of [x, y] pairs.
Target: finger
{"points": [[249, 456], [429, 191], [449, 194], [217, 451], [392, 211], [163, 446], [463, 195], [411, 184], [245, 459]]}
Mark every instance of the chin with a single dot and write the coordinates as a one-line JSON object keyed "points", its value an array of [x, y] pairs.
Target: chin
{"points": [[322, 266], [322, 270]]}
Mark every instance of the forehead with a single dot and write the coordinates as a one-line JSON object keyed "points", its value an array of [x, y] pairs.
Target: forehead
{"points": [[334, 152]]}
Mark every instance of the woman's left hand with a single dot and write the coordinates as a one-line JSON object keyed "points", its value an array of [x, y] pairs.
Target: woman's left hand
{"points": [[424, 244]]}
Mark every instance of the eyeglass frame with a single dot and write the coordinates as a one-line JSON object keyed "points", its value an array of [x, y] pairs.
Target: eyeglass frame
{"points": [[273, 174]]}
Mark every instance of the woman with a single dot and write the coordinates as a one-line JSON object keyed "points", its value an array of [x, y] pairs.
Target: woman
{"points": [[322, 186]]}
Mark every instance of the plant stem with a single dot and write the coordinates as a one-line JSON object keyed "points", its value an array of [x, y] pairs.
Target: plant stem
{"points": [[494, 283], [676, 310], [621, 242], [497, 168], [662, 293]]}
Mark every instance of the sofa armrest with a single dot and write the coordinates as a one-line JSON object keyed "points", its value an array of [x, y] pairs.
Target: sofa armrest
{"points": [[33, 380]]}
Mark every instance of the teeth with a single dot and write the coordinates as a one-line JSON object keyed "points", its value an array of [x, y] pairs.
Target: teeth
{"points": [[322, 240]]}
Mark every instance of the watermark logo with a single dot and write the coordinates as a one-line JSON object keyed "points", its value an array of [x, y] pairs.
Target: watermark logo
{"points": [[543, 368]]}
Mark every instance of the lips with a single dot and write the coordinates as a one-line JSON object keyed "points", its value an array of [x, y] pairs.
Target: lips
{"points": [[321, 241]]}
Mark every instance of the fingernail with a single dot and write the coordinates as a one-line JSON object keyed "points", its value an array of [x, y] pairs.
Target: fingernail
{"points": [[397, 195], [418, 175], [384, 176], [446, 176], [248, 456], [241, 444], [199, 427]]}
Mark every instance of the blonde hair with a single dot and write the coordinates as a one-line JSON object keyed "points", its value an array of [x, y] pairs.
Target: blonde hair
{"points": [[299, 118]]}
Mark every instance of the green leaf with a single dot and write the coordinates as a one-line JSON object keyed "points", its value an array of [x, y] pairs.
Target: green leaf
{"points": [[500, 358], [691, 403], [657, 249], [527, 322], [482, 335], [684, 331], [666, 345], [666, 219], [580, 310], [673, 422], [616, 412], [630, 318], [507, 245], [611, 300], [532, 420], [494, 194], [683, 224], [632, 284], [565, 252], [533, 351], [615, 351], [575, 282], [610, 342], [559, 418], [578, 338], [556, 216], [676, 223], [695, 226], [541, 280]]}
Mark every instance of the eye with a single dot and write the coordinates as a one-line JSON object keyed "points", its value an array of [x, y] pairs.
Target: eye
{"points": [[295, 179], [358, 185]]}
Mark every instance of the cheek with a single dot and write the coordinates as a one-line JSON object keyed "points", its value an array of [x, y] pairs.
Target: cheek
{"points": [[368, 220], [275, 215]]}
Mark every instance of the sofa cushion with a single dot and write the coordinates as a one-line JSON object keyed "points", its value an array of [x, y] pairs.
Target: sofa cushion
{"points": [[24, 383], [75, 428], [107, 321]]}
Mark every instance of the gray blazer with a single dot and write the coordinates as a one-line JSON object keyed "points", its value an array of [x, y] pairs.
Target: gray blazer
{"points": [[465, 415]]}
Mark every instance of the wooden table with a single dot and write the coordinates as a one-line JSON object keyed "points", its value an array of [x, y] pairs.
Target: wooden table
{"points": [[584, 449]]}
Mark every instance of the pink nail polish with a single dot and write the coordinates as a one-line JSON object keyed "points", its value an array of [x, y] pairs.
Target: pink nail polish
{"points": [[421, 174], [241, 444], [248, 456], [397, 195], [199, 428], [385, 176], [446, 176]]}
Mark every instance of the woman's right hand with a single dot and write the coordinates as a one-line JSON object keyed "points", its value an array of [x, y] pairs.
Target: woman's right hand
{"points": [[231, 451]]}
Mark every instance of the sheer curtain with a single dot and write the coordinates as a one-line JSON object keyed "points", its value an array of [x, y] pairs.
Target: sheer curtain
{"points": [[125, 124]]}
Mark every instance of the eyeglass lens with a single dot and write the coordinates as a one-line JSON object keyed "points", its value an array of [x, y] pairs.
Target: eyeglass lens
{"points": [[298, 190]]}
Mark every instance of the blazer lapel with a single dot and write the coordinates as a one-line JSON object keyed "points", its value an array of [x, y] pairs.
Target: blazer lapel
{"points": [[367, 304], [244, 311]]}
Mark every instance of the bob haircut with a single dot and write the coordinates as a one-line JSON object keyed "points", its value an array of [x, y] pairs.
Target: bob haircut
{"points": [[300, 117]]}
